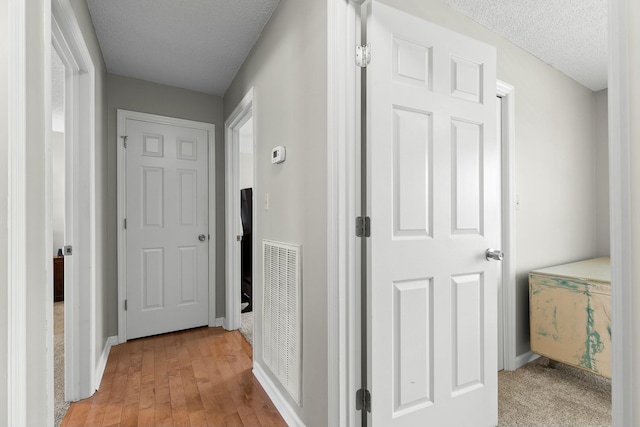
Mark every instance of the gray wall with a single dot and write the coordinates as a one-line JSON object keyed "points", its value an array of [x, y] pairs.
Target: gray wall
{"points": [[146, 97], [103, 267], [287, 67], [602, 172], [555, 155]]}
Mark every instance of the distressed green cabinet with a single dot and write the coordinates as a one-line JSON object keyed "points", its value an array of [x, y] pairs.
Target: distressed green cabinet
{"points": [[570, 314]]}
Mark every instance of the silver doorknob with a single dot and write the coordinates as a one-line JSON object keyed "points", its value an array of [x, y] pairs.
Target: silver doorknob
{"points": [[493, 254], [202, 237]]}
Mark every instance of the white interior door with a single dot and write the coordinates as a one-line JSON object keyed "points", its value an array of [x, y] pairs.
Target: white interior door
{"points": [[433, 180], [167, 228]]}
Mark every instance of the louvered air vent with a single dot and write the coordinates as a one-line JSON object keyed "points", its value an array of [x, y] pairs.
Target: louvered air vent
{"points": [[282, 315]]}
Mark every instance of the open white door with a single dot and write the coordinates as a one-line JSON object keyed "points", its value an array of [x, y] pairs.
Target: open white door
{"points": [[433, 181]]}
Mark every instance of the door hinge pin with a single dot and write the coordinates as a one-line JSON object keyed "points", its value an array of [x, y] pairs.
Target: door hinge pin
{"points": [[125, 223], [363, 55], [125, 305], [363, 226], [363, 400], [124, 140]]}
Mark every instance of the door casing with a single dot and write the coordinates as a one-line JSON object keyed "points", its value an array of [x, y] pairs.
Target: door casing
{"points": [[123, 115], [243, 112]]}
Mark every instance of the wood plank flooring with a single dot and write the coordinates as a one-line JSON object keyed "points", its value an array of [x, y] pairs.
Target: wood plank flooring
{"points": [[199, 377]]}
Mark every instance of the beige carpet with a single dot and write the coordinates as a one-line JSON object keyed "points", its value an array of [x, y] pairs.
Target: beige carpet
{"points": [[246, 327], [60, 406], [542, 396]]}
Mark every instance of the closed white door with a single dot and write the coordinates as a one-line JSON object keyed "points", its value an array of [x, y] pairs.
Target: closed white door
{"points": [[167, 228], [433, 201]]}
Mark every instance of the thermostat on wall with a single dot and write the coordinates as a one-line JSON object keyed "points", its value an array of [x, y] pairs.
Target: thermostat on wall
{"points": [[278, 154]]}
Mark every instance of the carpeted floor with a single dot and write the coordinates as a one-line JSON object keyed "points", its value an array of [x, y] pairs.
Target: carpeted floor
{"points": [[246, 327], [542, 396], [60, 406]]}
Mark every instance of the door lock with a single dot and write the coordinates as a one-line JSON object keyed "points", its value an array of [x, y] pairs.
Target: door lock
{"points": [[202, 237], [494, 254]]}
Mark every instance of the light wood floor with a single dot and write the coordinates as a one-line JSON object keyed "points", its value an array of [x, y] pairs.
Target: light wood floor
{"points": [[197, 377]]}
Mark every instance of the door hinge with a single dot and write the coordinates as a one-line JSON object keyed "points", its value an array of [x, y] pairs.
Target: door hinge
{"points": [[363, 55], [363, 400], [125, 223], [125, 305], [124, 140], [68, 250], [363, 226]]}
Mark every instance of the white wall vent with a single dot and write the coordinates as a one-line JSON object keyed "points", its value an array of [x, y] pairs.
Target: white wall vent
{"points": [[282, 314]]}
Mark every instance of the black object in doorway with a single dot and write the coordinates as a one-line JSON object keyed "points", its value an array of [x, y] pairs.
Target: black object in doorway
{"points": [[246, 256]]}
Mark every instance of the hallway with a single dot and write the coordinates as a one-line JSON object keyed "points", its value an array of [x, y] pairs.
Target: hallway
{"points": [[196, 377]]}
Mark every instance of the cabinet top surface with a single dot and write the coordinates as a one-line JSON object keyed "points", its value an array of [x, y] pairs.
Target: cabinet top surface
{"points": [[595, 270]]}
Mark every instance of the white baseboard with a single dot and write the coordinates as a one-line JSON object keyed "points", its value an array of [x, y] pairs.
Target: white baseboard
{"points": [[220, 321], [281, 403], [525, 358], [102, 364]]}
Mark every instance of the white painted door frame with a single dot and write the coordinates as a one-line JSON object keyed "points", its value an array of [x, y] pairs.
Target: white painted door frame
{"points": [[123, 115], [81, 376], [243, 112], [507, 93], [342, 146]]}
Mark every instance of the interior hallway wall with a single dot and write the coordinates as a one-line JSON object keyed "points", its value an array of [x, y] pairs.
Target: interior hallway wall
{"points": [[602, 172], [555, 155], [146, 97], [287, 67]]}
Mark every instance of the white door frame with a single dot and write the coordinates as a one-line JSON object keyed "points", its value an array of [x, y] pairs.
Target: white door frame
{"points": [[81, 378], [624, 349], [507, 93], [123, 115], [244, 111], [342, 144]]}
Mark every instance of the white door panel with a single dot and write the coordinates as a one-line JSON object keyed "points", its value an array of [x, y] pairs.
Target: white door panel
{"points": [[433, 202], [167, 209]]}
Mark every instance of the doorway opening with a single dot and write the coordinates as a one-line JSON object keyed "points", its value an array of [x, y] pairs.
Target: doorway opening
{"points": [[59, 151], [240, 220], [246, 180]]}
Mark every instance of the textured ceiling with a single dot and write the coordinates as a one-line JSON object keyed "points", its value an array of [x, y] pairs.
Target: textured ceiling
{"points": [[192, 44], [569, 35], [201, 44]]}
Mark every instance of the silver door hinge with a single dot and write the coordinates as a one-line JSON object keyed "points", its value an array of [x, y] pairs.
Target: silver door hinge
{"points": [[68, 250], [125, 223], [125, 305], [363, 55], [363, 226], [363, 400], [124, 140]]}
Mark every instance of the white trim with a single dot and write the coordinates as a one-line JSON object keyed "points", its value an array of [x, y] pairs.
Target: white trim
{"points": [[244, 111], [279, 401], [343, 347], [102, 363], [16, 233], [219, 322], [123, 116], [620, 191], [80, 322], [523, 359], [507, 93]]}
